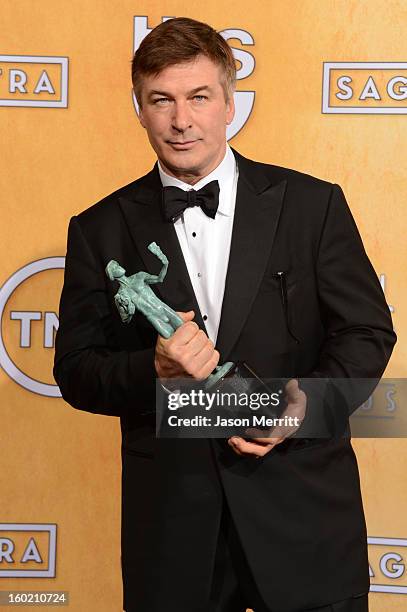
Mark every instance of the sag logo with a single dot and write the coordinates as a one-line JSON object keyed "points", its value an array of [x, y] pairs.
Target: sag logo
{"points": [[27, 550], [28, 306], [386, 565], [244, 100], [31, 80], [365, 87], [382, 404], [381, 415]]}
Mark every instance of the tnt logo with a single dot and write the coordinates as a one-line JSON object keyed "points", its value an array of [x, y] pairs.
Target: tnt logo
{"points": [[387, 567], [244, 100], [27, 550], [28, 306], [30, 80], [365, 87]]}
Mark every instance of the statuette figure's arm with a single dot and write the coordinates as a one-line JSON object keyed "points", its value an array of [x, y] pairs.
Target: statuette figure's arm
{"points": [[153, 278]]}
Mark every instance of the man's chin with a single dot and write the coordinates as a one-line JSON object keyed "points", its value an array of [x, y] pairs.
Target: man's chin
{"points": [[182, 161]]}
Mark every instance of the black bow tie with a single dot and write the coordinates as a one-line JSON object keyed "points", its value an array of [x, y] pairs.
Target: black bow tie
{"points": [[176, 200]]}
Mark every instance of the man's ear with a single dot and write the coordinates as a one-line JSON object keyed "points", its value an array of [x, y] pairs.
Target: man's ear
{"points": [[141, 121], [141, 116], [140, 111], [230, 109]]}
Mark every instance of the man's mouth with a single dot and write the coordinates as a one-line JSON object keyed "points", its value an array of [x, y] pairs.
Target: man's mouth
{"points": [[186, 144]]}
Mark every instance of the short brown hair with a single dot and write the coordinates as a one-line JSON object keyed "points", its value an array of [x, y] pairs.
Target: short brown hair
{"points": [[181, 40]]}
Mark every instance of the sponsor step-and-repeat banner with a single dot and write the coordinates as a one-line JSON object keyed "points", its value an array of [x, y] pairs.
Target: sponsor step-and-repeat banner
{"points": [[322, 88]]}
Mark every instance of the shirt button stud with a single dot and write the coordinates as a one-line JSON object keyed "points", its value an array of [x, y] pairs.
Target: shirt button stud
{"points": [[204, 317]]}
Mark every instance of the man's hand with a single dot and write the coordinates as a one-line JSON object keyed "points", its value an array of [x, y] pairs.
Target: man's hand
{"points": [[188, 353], [259, 447]]}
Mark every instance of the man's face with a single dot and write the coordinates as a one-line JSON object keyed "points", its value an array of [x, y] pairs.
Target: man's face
{"points": [[185, 114]]}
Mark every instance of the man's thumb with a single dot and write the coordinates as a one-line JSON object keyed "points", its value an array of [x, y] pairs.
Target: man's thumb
{"points": [[187, 316]]}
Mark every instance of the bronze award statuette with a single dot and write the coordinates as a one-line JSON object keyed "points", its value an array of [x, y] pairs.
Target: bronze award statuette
{"points": [[135, 293]]}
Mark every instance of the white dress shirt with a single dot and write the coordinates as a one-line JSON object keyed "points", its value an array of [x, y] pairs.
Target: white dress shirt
{"points": [[205, 242]]}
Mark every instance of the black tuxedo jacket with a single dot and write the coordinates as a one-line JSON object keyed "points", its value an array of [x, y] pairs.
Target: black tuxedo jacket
{"points": [[298, 511]]}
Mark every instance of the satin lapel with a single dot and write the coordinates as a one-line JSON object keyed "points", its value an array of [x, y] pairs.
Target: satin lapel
{"points": [[255, 223], [143, 217]]}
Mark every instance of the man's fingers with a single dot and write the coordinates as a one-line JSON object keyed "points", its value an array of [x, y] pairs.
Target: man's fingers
{"points": [[196, 355], [259, 445], [235, 448], [189, 350], [183, 334], [293, 393], [246, 447], [199, 342], [296, 400], [260, 435], [265, 441], [186, 316], [250, 448], [209, 366]]}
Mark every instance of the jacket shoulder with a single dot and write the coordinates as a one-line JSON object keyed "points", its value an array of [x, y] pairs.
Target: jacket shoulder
{"points": [[107, 206], [107, 209], [296, 176], [277, 174], [306, 197]]}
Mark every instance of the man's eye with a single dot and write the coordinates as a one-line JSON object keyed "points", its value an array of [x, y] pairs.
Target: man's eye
{"points": [[200, 98], [160, 100]]}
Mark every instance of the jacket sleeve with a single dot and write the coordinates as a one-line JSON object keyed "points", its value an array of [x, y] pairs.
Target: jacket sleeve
{"points": [[93, 372], [359, 336]]}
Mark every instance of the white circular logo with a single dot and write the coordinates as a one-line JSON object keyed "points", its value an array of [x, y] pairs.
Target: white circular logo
{"points": [[8, 365]]}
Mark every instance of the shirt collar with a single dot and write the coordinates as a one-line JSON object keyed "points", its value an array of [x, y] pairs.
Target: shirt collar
{"points": [[225, 173]]}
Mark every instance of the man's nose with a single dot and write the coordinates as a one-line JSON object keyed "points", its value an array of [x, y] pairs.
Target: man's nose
{"points": [[181, 118]]}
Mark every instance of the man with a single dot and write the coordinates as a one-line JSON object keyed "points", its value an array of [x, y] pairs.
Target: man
{"points": [[277, 276]]}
